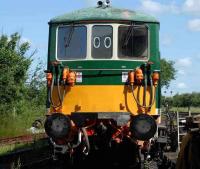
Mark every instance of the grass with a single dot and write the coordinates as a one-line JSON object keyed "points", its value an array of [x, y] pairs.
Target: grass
{"points": [[15, 147], [16, 165], [17, 122], [10, 148], [185, 109]]}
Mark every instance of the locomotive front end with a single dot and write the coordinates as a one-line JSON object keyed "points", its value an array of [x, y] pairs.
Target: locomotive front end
{"points": [[103, 79]]}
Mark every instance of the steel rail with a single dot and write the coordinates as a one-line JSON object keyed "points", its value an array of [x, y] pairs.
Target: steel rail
{"points": [[21, 139]]}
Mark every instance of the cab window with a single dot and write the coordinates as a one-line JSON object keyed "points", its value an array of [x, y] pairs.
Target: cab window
{"points": [[133, 42], [72, 42], [102, 42]]}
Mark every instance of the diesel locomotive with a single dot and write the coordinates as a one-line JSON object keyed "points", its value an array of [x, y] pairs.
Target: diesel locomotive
{"points": [[103, 78]]}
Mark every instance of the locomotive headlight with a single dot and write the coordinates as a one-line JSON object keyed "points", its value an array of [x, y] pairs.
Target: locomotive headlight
{"points": [[57, 126], [143, 127], [99, 3]]}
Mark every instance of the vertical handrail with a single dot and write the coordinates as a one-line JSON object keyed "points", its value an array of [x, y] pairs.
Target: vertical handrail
{"points": [[178, 132]]}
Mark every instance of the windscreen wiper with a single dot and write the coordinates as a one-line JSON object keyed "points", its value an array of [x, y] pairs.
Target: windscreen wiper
{"points": [[68, 40], [128, 35]]}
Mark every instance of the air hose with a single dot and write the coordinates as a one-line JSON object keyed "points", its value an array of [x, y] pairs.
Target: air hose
{"points": [[145, 87], [58, 90], [152, 99], [50, 95], [152, 93]]}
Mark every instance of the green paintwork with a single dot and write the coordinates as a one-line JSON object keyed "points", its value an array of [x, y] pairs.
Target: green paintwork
{"points": [[99, 13]]}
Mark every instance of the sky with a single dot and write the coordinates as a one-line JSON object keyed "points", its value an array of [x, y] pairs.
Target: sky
{"points": [[179, 30]]}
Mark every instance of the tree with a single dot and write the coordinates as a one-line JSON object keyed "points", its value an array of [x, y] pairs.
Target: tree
{"points": [[177, 100], [195, 99], [167, 72], [186, 100], [14, 65], [36, 89]]}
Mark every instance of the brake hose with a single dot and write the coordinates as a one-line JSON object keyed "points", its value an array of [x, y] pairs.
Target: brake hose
{"points": [[151, 100], [58, 90], [154, 96], [51, 92], [137, 101], [59, 93], [145, 89], [151, 94]]}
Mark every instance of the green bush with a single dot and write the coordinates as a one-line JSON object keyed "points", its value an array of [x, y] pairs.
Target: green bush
{"points": [[22, 96]]}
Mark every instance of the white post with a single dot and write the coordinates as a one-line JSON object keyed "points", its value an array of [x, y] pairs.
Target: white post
{"points": [[178, 130]]}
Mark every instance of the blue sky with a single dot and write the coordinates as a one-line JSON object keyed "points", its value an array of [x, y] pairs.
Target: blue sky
{"points": [[179, 32]]}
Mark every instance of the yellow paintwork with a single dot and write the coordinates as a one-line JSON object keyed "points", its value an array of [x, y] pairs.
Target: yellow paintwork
{"points": [[101, 98]]}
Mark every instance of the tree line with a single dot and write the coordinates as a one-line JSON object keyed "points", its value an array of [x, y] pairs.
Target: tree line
{"points": [[183, 100]]}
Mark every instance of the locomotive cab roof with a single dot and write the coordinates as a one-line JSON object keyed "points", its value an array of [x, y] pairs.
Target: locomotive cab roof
{"points": [[103, 14]]}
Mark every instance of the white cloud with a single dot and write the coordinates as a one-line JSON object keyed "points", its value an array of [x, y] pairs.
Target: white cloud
{"points": [[181, 85], [23, 40], [184, 62], [194, 25], [182, 66], [157, 8], [181, 72], [188, 6], [166, 40], [192, 6], [152, 6]]}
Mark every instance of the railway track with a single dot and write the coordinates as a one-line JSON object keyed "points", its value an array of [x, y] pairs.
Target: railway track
{"points": [[27, 157], [32, 158], [41, 158], [22, 139]]}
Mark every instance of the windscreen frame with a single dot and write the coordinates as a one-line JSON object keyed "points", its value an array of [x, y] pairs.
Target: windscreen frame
{"points": [[56, 44], [111, 38], [148, 44]]}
